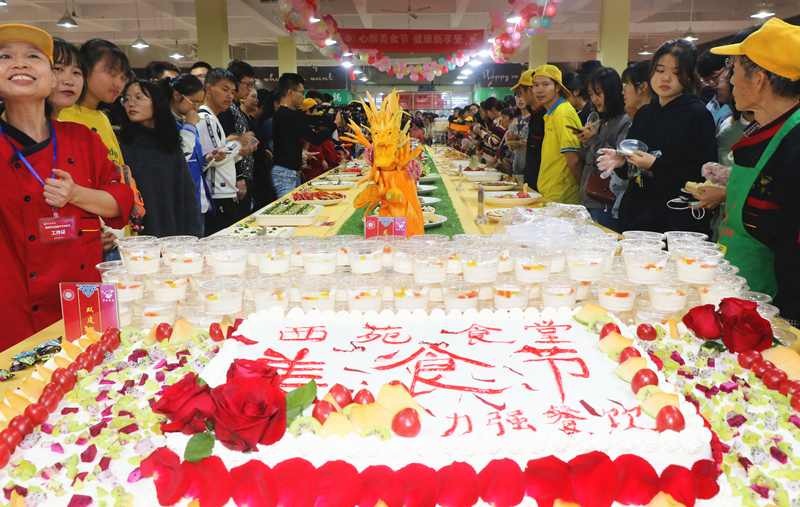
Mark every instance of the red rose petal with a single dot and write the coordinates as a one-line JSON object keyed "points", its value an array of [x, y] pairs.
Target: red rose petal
{"points": [[380, 482], [459, 485], [339, 485], [549, 479], [422, 485], [680, 484], [297, 481], [170, 480], [502, 483], [706, 473], [638, 479], [595, 479], [210, 482], [253, 485]]}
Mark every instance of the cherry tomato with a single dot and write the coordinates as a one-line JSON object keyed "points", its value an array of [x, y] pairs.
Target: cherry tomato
{"points": [[85, 361], [670, 418], [37, 413], [608, 328], [215, 331], [111, 336], [97, 352], [398, 383], [163, 332], [795, 405], [643, 377], [5, 455], [774, 378], [11, 438], [21, 423], [56, 389], [113, 331], [646, 332], [406, 423], [49, 400], [747, 358], [627, 353], [64, 378], [789, 387], [74, 368], [342, 395], [322, 410], [364, 397], [761, 367]]}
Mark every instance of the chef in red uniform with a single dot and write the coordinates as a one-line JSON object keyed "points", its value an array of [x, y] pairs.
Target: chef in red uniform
{"points": [[55, 183]]}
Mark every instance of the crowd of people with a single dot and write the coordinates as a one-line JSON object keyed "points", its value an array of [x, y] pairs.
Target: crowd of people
{"points": [[173, 153]]}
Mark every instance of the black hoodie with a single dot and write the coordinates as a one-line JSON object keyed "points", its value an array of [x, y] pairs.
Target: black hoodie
{"points": [[684, 132]]}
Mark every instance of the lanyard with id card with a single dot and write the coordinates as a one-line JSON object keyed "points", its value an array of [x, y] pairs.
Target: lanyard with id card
{"points": [[51, 229]]}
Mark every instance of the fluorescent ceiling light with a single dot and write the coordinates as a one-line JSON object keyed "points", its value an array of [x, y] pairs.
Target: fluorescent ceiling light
{"points": [[356, 71], [490, 39], [347, 54], [466, 72], [3, 3], [140, 43], [485, 52], [365, 79], [176, 52], [458, 82], [347, 64], [690, 36], [66, 20], [762, 12], [330, 42], [475, 63], [514, 19], [312, 19]]}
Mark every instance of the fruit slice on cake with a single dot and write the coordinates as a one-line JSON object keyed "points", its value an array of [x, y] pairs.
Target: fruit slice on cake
{"points": [[785, 359], [367, 416], [337, 424], [629, 368], [657, 401], [613, 342], [588, 312], [395, 398]]}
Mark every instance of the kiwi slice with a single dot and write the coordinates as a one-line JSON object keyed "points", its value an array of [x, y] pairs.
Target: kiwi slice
{"points": [[597, 323], [303, 425], [377, 431], [346, 410], [129, 336], [646, 392], [199, 336]]}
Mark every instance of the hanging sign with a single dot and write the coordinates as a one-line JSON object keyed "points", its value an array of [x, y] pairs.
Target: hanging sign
{"points": [[500, 75], [422, 101], [405, 100], [413, 41], [317, 78]]}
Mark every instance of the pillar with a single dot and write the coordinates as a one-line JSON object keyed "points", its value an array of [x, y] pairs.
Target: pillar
{"points": [[613, 33], [287, 55], [537, 50], [212, 32]]}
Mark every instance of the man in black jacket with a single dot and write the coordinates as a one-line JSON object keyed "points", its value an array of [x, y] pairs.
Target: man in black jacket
{"points": [[290, 127]]}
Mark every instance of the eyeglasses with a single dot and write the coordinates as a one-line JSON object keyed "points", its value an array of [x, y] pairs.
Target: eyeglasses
{"points": [[249, 86], [624, 85], [729, 63], [194, 103], [298, 91], [128, 100], [720, 77]]}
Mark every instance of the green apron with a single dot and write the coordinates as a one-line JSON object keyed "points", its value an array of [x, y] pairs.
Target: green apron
{"points": [[756, 261]]}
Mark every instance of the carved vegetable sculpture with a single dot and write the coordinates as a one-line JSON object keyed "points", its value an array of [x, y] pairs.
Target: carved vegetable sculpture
{"points": [[390, 181]]}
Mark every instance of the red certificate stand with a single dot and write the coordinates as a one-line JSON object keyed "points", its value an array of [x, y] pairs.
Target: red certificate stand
{"points": [[385, 226], [88, 305]]}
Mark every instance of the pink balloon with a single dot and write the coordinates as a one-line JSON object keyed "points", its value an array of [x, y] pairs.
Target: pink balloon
{"points": [[509, 29], [515, 36], [399, 76], [551, 10], [430, 77]]}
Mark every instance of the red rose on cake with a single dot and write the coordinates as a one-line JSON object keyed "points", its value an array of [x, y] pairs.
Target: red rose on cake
{"points": [[250, 410], [247, 368], [187, 405], [733, 307], [748, 331], [704, 322]]}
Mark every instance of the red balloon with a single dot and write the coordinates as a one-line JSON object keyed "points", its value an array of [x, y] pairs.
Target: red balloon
{"points": [[551, 10], [789, 387], [749, 357], [445, 70], [64, 378], [50, 400], [448, 57], [21, 423], [670, 418], [774, 378], [37, 413], [761, 367], [643, 377], [5, 455], [371, 60], [390, 72], [11, 438], [379, 56]]}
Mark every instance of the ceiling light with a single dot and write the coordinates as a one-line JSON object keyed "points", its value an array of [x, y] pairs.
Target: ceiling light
{"points": [[458, 82], [645, 49], [364, 79], [356, 71], [330, 42], [762, 12], [690, 36], [490, 39], [485, 53], [347, 64], [347, 54], [140, 43], [176, 52], [466, 72], [312, 19], [475, 63], [514, 19], [3, 3], [66, 20]]}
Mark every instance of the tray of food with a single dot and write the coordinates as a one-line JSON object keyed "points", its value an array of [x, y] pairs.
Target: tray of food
{"points": [[320, 197], [251, 228], [332, 185], [495, 185], [288, 212], [510, 199]]}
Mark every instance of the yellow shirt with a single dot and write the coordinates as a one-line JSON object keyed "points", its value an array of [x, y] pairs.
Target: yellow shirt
{"points": [[555, 179], [99, 123]]}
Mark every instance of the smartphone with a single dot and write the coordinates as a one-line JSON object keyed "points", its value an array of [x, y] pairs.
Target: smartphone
{"points": [[575, 130]]}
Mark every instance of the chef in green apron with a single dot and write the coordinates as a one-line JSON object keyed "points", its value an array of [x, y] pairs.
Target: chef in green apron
{"points": [[761, 229]]}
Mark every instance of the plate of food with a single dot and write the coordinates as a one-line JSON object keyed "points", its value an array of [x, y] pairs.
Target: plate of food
{"points": [[425, 189], [430, 178], [423, 200], [433, 220], [251, 228], [321, 197], [287, 213], [495, 185], [496, 214], [332, 185], [486, 175], [510, 199], [691, 187]]}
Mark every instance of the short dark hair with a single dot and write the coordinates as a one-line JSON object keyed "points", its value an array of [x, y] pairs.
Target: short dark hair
{"points": [[155, 70], [493, 103], [185, 84], [167, 136], [507, 111], [586, 69], [709, 64], [201, 65], [327, 98], [214, 76], [573, 82], [263, 97], [241, 70], [288, 81], [637, 73], [314, 94], [685, 54], [608, 81], [269, 109], [781, 86], [95, 51], [65, 53]]}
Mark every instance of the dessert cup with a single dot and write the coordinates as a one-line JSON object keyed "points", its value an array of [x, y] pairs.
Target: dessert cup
{"points": [[480, 264], [645, 265], [223, 295], [366, 256], [130, 287], [616, 293], [274, 257], [697, 265], [429, 265], [532, 264], [141, 257], [364, 292], [270, 292]]}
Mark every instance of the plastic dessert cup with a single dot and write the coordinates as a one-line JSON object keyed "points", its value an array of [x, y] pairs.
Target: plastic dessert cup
{"points": [[401, 257], [480, 264], [131, 240], [364, 292], [769, 312], [199, 317], [389, 245], [438, 238], [270, 291], [183, 258], [508, 293], [697, 265], [109, 266], [430, 264], [229, 258], [141, 258], [155, 312], [643, 235], [320, 259], [168, 286], [300, 244], [366, 256], [583, 290], [125, 311], [460, 295], [318, 293], [723, 286], [274, 258], [410, 295], [586, 263], [628, 244], [130, 287], [686, 236], [559, 292], [616, 294], [645, 265], [757, 297], [669, 295], [342, 245], [223, 295], [532, 265]]}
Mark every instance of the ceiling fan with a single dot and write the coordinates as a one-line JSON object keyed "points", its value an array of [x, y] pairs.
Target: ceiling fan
{"points": [[411, 12]]}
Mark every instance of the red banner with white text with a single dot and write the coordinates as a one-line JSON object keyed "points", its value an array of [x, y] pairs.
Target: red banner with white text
{"points": [[413, 41]]}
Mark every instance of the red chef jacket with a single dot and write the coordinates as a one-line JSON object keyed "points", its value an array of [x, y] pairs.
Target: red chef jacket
{"points": [[30, 271]]}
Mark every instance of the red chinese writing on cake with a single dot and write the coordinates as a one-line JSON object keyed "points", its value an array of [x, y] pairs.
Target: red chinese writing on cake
{"points": [[456, 418], [549, 332], [388, 334], [477, 333], [515, 419], [294, 372], [304, 334], [565, 416]]}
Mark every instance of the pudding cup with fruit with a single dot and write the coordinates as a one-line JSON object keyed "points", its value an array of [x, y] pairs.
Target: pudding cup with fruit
{"points": [[366, 256], [320, 259], [586, 263], [364, 292], [223, 295], [342, 245], [460, 294], [401, 257], [141, 258], [723, 286], [650, 235], [229, 258], [274, 257], [130, 287], [155, 312], [270, 292], [389, 245], [429, 265], [697, 265], [616, 293], [559, 291], [409, 294], [645, 265], [125, 311], [168, 286], [318, 293], [299, 244], [480, 263], [199, 317], [508, 293], [109, 266], [669, 295], [532, 264], [184, 258]]}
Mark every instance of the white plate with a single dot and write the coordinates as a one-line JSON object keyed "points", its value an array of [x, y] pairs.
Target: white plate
{"points": [[442, 219], [482, 176], [333, 185], [428, 200], [425, 189], [430, 178], [492, 188], [492, 199], [496, 215], [329, 202], [343, 177], [287, 220]]}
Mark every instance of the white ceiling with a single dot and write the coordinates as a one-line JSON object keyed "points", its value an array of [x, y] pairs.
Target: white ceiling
{"points": [[254, 26]]}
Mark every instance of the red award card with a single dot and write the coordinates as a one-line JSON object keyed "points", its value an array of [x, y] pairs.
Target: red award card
{"points": [[385, 226], [88, 305]]}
